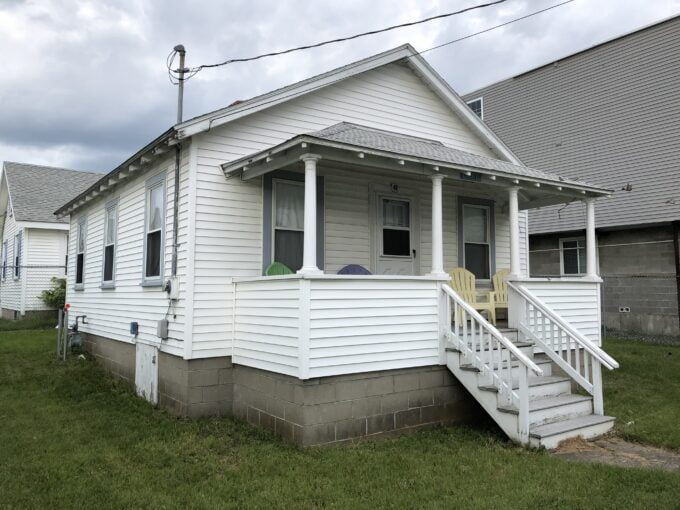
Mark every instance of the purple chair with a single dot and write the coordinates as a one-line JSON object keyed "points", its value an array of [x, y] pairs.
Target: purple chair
{"points": [[354, 269]]}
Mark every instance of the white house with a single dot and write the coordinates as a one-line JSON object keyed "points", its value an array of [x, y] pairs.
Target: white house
{"points": [[34, 240], [380, 164]]}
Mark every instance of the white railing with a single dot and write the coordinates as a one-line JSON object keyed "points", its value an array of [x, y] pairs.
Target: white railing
{"points": [[580, 358], [486, 349]]}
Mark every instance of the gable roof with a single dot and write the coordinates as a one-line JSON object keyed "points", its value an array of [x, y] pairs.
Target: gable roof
{"points": [[36, 191], [202, 123]]}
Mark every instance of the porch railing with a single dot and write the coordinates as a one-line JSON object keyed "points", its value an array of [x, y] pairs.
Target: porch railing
{"points": [[486, 349], [580, 358]]}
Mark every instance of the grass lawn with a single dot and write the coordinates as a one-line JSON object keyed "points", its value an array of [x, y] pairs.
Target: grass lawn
{"points": [[70, 437], [644, 394]]}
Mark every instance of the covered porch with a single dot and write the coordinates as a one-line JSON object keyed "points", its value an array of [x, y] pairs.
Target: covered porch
{"points": [[407, 211]]}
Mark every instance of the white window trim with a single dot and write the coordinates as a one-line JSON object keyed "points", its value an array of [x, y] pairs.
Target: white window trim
{"points": [[16, 256], [153, 183], [82, 221], [300, 184], [488, 210], [582, 270], [5, 258], [381, 226], [481, 105], [110, 284]]}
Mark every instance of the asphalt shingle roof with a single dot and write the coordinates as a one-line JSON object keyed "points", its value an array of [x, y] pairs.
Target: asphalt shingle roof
{"points": [[37, 191], [406, 145]]}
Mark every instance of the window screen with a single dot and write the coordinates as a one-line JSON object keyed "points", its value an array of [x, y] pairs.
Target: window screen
{"points": [[476, 239], [574, 256]]}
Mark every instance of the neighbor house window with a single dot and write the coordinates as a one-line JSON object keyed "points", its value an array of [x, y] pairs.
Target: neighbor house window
{"points": [[573, 256], [477, 240], [396, 227], [5, 247], [110, 230], [476, 106], [80, 251], [17, 256], [154, 220], [288, 223]]}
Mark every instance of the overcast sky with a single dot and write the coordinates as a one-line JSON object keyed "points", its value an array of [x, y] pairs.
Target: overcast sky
{"points": [[84, 83]]}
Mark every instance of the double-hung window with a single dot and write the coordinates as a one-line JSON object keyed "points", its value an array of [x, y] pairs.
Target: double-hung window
{"points": [[573, 252], [288, 223], [476, 237], [110, 232], [17, 256], [80, 251], [153, 230], [5, 248]]}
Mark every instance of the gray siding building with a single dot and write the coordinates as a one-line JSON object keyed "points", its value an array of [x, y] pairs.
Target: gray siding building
{"points": [[609, 115]]}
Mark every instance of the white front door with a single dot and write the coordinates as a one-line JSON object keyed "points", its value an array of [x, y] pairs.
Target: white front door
{"points": [[395, 243], [146, 372]]}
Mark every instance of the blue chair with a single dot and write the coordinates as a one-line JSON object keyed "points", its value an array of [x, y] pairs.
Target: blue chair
{"points": [[354, 269]]}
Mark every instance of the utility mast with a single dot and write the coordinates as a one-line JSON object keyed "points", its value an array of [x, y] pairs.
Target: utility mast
{"points": [[180, 91]]}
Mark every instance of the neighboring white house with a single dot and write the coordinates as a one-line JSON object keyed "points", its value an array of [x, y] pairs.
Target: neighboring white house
{"points": [[380, 164], [34, 240]]}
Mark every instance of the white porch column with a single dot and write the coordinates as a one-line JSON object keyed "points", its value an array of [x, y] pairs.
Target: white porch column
{"points": [[591, 240], [437, 227], [309, 247], [513, 206]]}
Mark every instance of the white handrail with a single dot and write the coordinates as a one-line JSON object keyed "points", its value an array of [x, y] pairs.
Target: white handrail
{"points": [[593, 349], [493, 331]]}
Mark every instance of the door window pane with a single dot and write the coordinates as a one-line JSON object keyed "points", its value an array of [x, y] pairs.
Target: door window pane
{"points": [[477, 260], [290, 206], [396, 213], [475, 224], [396, 242], [288, 246]]}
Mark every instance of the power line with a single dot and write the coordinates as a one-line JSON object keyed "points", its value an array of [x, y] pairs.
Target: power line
{"points": [[192, 72], [355, 64]]}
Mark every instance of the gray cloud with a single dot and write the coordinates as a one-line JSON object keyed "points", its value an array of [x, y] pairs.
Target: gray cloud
{"points": [[85, 83]]}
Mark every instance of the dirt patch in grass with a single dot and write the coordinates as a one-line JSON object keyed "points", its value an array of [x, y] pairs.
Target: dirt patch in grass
{"points": [[618, 452]]}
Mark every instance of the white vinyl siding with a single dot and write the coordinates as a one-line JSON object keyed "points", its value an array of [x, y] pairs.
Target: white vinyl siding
{"points": [[109, 312], [10, 290], [45, 258]]}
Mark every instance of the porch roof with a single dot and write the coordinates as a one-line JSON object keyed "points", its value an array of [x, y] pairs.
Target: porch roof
{"points": [[409, 153]]}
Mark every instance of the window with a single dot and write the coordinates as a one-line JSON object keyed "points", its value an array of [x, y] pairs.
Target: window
{"points": [[288, 223], [154, 222], [573, 256], [396, 227], [17, 256], [80, 251], [476, 106], [476, 239], [109, 256], [5, 248]]}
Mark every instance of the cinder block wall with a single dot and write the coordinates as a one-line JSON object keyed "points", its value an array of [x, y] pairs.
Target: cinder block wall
{"points": [[637, 267], [344, 408]]}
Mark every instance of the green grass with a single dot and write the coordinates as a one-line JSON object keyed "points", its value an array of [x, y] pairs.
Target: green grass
{"points": [[71, 437], [644, 393], [29, 323]]}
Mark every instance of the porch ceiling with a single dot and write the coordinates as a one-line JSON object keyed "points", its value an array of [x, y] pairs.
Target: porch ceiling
{"points": [[367, 147]]}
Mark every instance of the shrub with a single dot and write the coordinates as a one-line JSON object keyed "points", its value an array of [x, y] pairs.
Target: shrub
{"points": [[55, 297]]}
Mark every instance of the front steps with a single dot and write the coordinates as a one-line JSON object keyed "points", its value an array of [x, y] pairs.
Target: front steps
{"points": [[555, 412]]}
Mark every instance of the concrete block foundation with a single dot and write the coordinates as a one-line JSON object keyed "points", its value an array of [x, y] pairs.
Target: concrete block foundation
{"points": [[317, 411]]}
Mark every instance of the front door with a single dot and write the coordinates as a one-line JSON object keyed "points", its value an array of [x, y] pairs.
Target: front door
{"points": [[396, 247]]}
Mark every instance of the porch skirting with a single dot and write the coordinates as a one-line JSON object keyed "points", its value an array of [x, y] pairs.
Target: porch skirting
{"points": [[316, 411]]}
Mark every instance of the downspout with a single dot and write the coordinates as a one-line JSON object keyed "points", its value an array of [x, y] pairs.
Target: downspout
{"points": [[676, 253]]}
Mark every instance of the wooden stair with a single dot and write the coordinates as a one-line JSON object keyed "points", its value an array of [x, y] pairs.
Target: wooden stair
{"points": [[555, 412]]}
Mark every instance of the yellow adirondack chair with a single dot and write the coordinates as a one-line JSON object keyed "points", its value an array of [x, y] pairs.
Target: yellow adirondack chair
{"points": [[500, 288], [463, 282]]}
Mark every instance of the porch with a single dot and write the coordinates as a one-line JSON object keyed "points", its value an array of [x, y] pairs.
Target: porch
{"points": [[311, 324]]}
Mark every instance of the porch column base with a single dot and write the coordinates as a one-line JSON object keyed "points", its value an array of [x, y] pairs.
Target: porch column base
{"points": [[309, 270], [442, 275]]}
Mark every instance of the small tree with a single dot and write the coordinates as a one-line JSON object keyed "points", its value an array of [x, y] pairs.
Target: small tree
{"points": [[55, 297]]}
